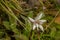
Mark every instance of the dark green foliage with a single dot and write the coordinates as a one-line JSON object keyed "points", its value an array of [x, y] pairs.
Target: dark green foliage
{"points": [[15, 25]]}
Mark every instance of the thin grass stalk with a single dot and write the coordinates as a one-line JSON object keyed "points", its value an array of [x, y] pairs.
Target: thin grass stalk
{"points": [[17, 5], [41, 2], [52, 20], [12, 14]]}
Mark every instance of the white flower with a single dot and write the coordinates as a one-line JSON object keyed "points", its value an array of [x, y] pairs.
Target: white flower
{"points": [[37, 23]]}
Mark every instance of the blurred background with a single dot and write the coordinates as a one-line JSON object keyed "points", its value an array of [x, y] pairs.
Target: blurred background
{"points": [[15, 25]]}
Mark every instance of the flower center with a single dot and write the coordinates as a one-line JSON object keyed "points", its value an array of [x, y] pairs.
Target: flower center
{"points": [[37, 21]]}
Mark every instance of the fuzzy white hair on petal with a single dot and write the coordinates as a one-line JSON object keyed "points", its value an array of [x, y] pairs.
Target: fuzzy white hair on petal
{"points": [[39, 16], [34, 26], [32, 20], [41, 27]]}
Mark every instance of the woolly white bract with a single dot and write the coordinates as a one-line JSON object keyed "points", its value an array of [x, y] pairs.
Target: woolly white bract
{"points": [[37, 22]]}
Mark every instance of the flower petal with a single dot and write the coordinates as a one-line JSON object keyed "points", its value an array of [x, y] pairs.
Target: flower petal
{"points": [[42, 21], [34, 26], [32, 20], [39, 16], [41, 27]]}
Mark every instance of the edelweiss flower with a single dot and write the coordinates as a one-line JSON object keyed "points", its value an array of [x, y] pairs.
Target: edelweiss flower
{"points": [[37, 23]]}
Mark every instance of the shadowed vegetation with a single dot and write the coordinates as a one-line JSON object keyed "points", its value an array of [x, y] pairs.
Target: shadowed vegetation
{"points": [[15, 24]]}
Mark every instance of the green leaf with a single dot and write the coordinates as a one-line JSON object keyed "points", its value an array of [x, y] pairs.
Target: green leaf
{"points": [[53, 32], [27, 23], [6, 24], [13, 24], [30, 14], [57, 36]]}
